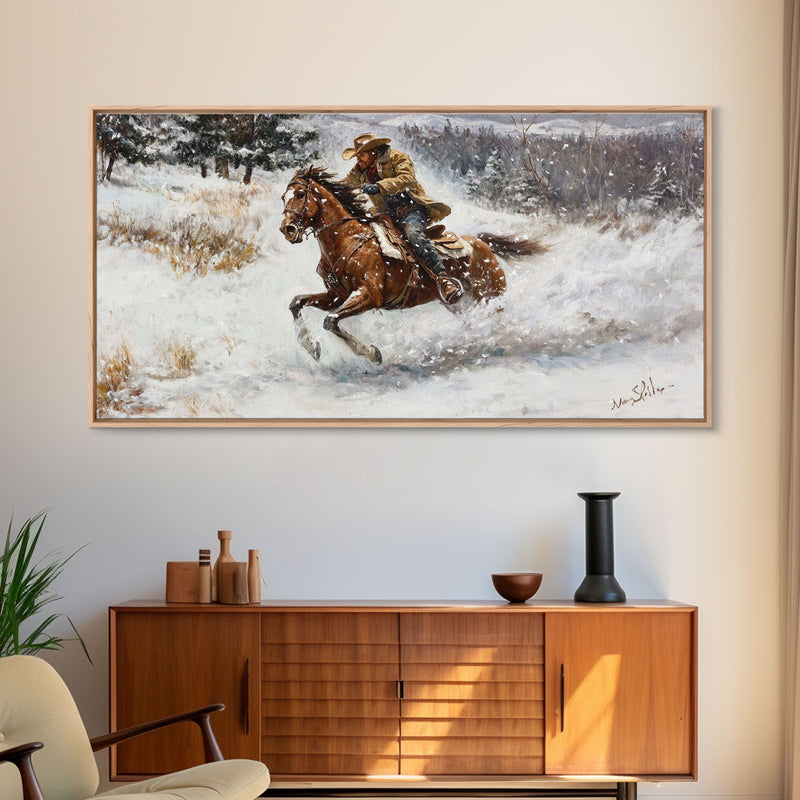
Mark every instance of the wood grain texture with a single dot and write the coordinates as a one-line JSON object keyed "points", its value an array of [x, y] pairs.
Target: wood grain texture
{"points": [[480, 687], [473, 685], [232, 583], [183, 582], [329, 693], [629, 703], [164, 664]]}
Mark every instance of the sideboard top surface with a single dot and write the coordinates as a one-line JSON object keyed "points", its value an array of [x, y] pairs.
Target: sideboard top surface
{"points": [[405, 605]]}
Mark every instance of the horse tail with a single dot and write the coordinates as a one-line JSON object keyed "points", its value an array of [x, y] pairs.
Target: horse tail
{"points": [[513, 248]]}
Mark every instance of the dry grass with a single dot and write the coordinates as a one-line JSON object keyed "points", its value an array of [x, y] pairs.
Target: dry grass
{"points": [[629, 228], [115, 389], [198, 246], [192, 407], [191, 245], [179, 358], [228, 200], [210, 408], [120, 227], [115, 371]]}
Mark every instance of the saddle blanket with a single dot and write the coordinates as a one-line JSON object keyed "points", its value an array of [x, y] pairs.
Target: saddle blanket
{"points": [[448, 244]]}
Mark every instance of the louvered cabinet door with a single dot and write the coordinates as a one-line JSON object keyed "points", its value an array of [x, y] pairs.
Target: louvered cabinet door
{"points": [[329, 694], [620, 693], [473, 689]]}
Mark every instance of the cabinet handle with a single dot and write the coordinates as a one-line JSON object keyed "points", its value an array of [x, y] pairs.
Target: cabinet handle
{"points": [[400, 690], [561, 701], [246, 697]]}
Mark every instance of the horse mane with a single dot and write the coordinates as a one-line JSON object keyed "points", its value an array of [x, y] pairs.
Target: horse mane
{"points": [[348, 196]]}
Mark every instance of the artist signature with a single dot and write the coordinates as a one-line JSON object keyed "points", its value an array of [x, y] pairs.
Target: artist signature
{"points": [[643, 390]]}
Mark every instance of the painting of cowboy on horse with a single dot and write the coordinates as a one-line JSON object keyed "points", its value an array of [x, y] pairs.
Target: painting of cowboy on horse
{"points": [[388, 177], [388, 260], [477, 266]]}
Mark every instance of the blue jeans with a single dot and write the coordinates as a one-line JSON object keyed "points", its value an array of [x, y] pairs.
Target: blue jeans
{"points": [[414, 223]]}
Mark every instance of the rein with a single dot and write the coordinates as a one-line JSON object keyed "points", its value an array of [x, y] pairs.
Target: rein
{"points": [[345, 258], [361, 239], [301, 215], [308, 229], [335, 222]]}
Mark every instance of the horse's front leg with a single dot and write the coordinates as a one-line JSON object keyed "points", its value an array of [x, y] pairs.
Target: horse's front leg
{"points": [[324, 301], [358, 302]]}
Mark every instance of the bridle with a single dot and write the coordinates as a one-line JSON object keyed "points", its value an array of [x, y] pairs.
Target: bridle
{"points": [[306, 228], [300, 216]]}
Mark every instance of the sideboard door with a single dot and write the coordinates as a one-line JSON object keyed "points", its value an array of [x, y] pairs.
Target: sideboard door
{"points": [[620, 693], [330, 694], [473, 689], [167, 662]]}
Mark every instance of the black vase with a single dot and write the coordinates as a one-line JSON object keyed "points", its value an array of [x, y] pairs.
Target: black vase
{"points": [[599, 585]]}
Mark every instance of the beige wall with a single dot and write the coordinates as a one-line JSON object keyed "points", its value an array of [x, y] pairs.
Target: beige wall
{"points": [[407, 513]]}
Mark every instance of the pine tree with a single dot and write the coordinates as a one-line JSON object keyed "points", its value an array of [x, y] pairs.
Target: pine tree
{"points": [[662, 191], [276, 141], [199, 139], [268, 141], [123, 136], [472, 184], [495, 177]]}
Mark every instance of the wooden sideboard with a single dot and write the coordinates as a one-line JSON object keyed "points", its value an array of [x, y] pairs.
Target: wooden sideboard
{"points": [[360, 692]]}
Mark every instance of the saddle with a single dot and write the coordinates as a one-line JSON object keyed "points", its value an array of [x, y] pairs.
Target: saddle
{"points": [[446, 241], [394, 245]]}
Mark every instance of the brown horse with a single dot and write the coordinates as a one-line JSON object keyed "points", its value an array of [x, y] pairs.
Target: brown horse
{"points": [[359, 277]]}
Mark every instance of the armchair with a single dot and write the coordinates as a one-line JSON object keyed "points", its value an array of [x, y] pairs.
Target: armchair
{"points": [[46, 754]]}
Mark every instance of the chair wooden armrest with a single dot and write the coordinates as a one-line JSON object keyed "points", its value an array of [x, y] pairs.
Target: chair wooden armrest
{"points": [[20, 756], [199, 716]]}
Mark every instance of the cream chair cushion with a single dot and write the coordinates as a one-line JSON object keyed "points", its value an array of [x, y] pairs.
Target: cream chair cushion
{"points": [[36, 706], [233, 780]]}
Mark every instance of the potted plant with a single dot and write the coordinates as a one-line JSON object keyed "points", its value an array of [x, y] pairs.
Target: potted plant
{"points": [[26, 588]]}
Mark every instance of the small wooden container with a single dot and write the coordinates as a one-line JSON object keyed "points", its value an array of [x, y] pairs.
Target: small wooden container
{"points": [[253, 576], [232, 583], [204, 577], [182, 582]]}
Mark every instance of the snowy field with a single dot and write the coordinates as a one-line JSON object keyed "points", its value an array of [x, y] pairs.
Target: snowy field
{"points": [[607, 324]]}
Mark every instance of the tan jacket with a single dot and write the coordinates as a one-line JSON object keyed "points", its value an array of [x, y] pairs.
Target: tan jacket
{"points": [[396, 174]]}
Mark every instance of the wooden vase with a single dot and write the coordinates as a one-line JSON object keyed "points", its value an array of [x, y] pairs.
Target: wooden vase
{"points": [[253, 576], [232, 587], [224, 557]]}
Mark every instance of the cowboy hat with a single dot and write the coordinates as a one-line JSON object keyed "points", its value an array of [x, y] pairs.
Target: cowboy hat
{"points": [[367, 141]]}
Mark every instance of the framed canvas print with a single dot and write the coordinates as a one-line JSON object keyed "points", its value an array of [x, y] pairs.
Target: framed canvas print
{"points": [[400, 266]]}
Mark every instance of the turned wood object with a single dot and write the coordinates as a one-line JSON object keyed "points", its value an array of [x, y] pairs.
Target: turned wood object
{"points": [[232, 583], [223, 557], [182, 582], [204, 577], [253, 576]]}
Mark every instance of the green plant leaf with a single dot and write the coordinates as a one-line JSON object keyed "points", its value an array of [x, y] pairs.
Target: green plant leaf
{"points": [[26, 587]]}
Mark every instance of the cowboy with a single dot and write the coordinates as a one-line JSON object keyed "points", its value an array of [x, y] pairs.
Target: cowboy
{"points": [[387, 176]]}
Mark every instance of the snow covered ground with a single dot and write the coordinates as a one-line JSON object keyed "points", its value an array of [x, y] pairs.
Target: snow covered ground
{"points": [[607, 324]]}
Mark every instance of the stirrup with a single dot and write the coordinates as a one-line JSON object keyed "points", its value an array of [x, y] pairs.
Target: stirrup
{"points": [[459, 289]]}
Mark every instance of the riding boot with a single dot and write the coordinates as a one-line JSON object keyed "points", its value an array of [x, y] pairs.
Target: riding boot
{"points": [[414, 222], [450, 290]]}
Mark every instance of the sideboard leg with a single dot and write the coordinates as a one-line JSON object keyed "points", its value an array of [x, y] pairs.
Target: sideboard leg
{"points": [[627, 790]]}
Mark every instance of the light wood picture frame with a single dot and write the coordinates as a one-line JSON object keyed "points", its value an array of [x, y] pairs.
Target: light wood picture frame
{"points": [[238, 276]]}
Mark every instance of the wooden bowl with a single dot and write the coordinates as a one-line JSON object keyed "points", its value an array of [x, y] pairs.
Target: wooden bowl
{"points": [[517, 587]]}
